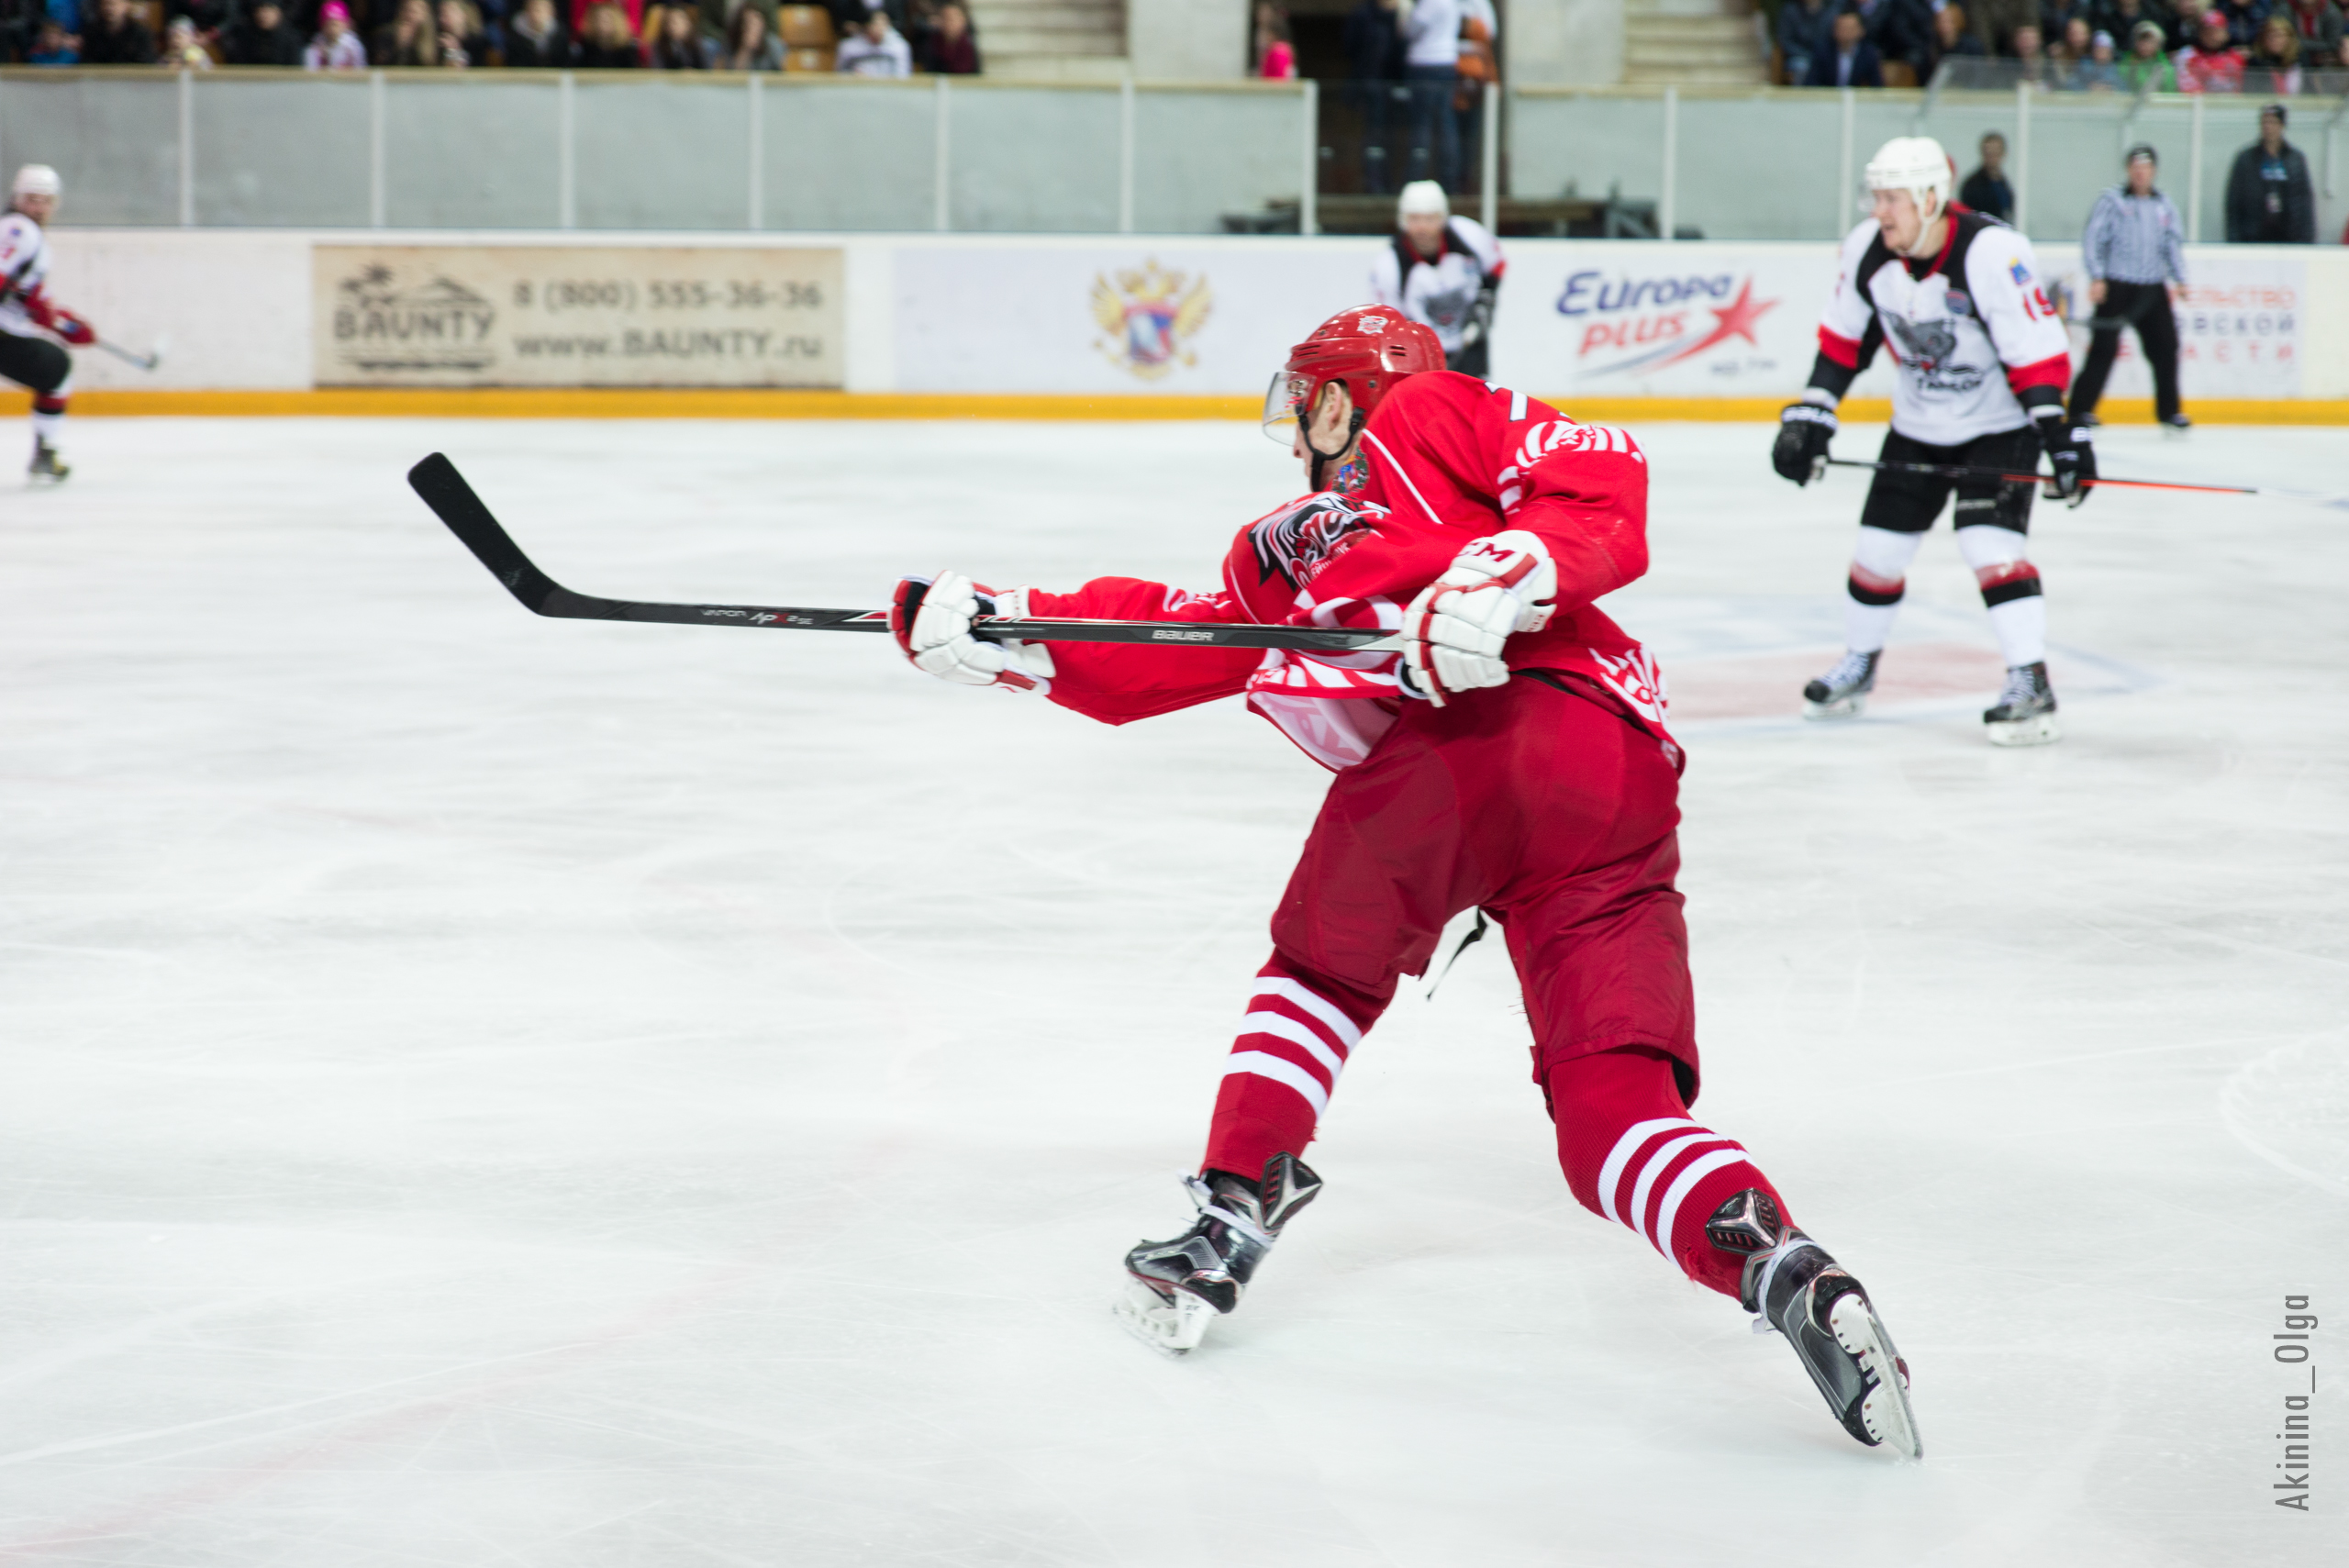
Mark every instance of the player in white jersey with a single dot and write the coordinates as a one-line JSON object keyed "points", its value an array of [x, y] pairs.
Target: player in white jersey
{"points": [[1983, 363], [1443, 272], [32, 330]]}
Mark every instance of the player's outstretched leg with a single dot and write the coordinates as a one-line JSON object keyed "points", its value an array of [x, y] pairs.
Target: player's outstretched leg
{"points": [[1878, 581], [1633, 1153], [1790, 1284], [1177, 1288]]}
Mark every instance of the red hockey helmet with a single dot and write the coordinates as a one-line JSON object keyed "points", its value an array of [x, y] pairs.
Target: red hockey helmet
{"points": [[1368, 348]]}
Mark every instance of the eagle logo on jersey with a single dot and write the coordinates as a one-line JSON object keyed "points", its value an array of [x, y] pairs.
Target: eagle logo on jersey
{"points": [[1924, 344], [1146, 316], [1299, 541]]}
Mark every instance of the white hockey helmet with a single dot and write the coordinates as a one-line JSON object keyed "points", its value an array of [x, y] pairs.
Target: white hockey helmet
{"points": [[36, 180], [1915, 165], [1421, 199]]}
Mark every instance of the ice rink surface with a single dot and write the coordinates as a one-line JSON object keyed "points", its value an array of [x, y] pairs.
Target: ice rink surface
{"points": [[481, 1090]]}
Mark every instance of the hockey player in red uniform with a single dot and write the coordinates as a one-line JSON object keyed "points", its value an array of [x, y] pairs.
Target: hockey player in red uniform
{"points": [[1512, 758], [1982, 361], [32, 328]]}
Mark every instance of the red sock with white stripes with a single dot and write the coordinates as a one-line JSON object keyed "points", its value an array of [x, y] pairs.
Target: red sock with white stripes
{"points": [[1633, 1155], [1292, 1043]]}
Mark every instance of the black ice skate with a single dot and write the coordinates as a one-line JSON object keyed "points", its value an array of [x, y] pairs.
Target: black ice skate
{"points": [[1843, 692], [1792, 1285], [46, 467], [2026, 712], [1178, 1287]]}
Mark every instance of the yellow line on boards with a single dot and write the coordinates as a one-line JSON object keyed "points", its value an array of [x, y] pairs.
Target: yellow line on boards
{"points": [[763, 403]]}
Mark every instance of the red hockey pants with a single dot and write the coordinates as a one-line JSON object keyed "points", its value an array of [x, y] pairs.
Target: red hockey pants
{"points": [[1554, 813]]}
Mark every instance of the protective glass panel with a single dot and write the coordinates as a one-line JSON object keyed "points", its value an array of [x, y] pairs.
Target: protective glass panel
{"points": [[461, 153], [114, 140], [669, 152], [1596, 148], [848, 155], [1202, 154], [1735, 180], [1032, 160], [286, 151]]}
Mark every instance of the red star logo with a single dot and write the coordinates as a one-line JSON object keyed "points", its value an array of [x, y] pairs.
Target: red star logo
{"points": [[1735, 320]]}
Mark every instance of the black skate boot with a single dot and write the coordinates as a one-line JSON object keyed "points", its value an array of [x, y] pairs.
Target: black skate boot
{"points": [[46, 467], [1792, 1285], [2026, 712], [1843, 692], [1178, 1287]]}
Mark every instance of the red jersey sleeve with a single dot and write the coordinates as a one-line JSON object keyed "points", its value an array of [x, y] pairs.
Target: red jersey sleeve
{"points": [[1119, 683]]}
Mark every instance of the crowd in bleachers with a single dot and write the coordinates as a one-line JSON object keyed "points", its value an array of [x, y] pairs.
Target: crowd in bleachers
{"points": [[895, 38], [2272, 47]]}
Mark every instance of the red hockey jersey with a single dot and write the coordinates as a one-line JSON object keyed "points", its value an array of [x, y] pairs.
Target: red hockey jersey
{"points": [[1449, 459]]}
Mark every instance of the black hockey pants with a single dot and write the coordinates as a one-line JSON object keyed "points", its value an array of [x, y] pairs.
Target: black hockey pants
{"points": [[2145, 306], [34, 361]]}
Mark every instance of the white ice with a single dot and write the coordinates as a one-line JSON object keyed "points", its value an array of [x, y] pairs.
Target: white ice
{"points": [[483, 1090]]}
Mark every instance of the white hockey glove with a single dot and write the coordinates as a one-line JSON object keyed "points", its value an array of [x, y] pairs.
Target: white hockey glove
{"points": [[931, 617], [1453, 631]]}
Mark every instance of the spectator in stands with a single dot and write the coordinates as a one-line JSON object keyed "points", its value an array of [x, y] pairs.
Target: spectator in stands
{"points": [[2319, 23], [1374, 40], [1277, 56], [1851, 61], [1953, 39], [2274, 62], [1806, 30], [2270, 200], [537, 39], [2184, 24], [336, 46], [677, 43], [2030, 57], [750, 44], [2133, 250], [1986, 190], [52, 45], [2069, 52], [2102, 73], [117, 37], [605, 42], [463, 40], [2213, 65], [718, 20], [2055, 18], [876, 48], [1432, 67], [212, 18], [1995, 22], [949, 48], [2243, 17], [409, 38], [264, 38], [181, 49], [2146, 68], [1901, 30]]}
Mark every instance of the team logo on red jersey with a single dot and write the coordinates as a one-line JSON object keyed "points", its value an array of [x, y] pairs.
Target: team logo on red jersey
{"points": [[1299, 541], [1146, 316]]}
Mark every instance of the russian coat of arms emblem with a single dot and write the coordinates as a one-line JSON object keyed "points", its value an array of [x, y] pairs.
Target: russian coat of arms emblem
{"points": [[1147, 318]]}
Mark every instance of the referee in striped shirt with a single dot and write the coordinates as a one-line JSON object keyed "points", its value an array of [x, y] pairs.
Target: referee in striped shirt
{"points": [[2133, 249]]}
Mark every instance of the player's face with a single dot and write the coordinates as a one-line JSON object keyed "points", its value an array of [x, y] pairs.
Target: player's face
{"points": [[1425, 230], [1895, 214], [37, 207]]}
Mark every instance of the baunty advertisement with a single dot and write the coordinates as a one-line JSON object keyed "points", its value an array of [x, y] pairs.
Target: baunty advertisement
{"points": [[574, 316]]}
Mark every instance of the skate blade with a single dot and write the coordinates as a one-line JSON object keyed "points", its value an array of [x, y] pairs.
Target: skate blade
{"points": [[1171, 1328], [1842, 707], [2038, 730], [1885, 1411]]}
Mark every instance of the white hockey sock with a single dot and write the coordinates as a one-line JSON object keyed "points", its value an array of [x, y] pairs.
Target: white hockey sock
{"points": [[2021, 626], [1880, 577], [48, 429]]}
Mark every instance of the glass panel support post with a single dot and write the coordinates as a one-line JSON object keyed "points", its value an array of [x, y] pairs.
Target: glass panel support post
{"points": [[2194, 174], [1308, 197], [566, 152], [1667, 197], [1490, 146], [187, 148], [941, 162], [1843, 191], [2022, 157], [755, 157], [1126, 153], [378, 195]]}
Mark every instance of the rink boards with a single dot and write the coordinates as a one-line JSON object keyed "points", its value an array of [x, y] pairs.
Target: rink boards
{"points": [[585, 323]]}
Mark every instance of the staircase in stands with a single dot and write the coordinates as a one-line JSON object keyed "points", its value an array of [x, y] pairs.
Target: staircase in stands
{"points": [[1051, 40], [1693, 43]]}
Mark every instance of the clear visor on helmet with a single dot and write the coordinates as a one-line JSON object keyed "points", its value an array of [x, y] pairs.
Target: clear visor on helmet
{"points": [[1283, 400]]}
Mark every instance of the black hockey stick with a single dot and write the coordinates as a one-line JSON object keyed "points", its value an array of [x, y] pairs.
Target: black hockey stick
{"points": [[1952, 471], [444, 490]]}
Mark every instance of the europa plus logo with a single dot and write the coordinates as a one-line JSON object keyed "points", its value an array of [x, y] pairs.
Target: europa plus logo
{"points": [[1630, 322]]}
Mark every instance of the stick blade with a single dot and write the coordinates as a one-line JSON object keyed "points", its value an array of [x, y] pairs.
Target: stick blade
{"points": [[437, 482]]}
